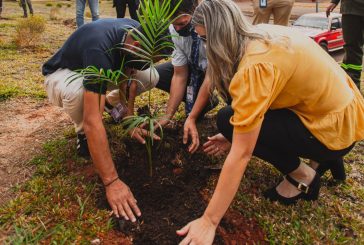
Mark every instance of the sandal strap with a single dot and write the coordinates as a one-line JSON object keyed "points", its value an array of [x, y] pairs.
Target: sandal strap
{"points": [[299, 185]]}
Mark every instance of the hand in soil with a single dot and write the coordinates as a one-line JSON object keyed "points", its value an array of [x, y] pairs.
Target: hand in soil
{"points": [[216, 145], [198, 232], [139, 134], [190, 129], [122, 201]]}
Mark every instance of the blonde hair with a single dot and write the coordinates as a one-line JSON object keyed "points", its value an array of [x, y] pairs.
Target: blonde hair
{"points": [[228, 33]]}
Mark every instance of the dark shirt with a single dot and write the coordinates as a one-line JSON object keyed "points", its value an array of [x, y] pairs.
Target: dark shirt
{"points": [[354, 7], [92, 44]]}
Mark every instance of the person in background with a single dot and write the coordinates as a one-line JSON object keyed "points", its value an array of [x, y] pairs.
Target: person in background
{"points": [[120, 6], [353, 30], [24, 4], [281, 10], [1, 7], [80, 11], [184, 76], [286, 104]]}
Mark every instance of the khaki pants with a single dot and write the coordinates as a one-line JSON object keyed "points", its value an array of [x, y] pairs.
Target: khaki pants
{"points": [[146, 80], [281, 10], [69, 96]]}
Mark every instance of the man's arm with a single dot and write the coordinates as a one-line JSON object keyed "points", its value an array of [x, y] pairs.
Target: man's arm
{"points": [[118, 194], [202, 99], [190, 128], [178, 89], [331, 7]]}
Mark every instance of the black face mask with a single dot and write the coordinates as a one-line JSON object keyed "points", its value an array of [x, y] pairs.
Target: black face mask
{"points": [[132, 61], [186, 31]]}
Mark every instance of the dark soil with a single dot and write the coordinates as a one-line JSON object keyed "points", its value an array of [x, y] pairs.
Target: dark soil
{"points": [[175, 194]]}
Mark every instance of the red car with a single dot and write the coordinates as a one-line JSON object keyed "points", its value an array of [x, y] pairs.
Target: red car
{"points": [[327, 32]]}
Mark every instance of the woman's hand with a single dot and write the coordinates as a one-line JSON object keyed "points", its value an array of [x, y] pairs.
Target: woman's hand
{"points": [[216, 145], [198, 232], [190, 129]]}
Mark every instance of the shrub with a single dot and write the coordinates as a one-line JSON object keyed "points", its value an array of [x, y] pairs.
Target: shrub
{"points": [[69, 5], [59, 5], [88, 14], [49, 4], [29, 31], [54, 14]]}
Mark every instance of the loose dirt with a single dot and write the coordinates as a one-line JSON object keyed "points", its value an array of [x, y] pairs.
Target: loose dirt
{"points": [[176, 193], [25, 124]]}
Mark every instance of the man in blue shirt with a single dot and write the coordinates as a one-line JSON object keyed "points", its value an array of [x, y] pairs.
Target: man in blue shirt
{"points": [[95, 44]]}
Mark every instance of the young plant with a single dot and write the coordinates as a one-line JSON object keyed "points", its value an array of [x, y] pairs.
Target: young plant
{"points": [[150, 122], [155, 17]]}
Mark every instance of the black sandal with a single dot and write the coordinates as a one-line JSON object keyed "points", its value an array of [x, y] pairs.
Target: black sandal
{"points": [[308, 192]]}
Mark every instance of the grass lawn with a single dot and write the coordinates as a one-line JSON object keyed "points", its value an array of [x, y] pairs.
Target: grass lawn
{"points": [[59, 203]]}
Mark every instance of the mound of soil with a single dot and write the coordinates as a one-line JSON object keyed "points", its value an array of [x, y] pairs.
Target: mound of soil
{"points": [[176, 193]]}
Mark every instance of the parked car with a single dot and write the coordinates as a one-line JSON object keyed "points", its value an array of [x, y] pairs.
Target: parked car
{"points": [[326, 31]]}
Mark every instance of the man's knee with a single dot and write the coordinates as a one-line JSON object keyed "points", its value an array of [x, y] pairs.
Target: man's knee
{"points": [[146, 80]]}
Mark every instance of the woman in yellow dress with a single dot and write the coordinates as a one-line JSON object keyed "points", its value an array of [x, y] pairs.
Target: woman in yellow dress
{"points": [[290, 99]]}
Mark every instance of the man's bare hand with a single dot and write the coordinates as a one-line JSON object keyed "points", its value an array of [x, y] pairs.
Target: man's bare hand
{"points": [[190, 130], [122, 201], [139, 134]]}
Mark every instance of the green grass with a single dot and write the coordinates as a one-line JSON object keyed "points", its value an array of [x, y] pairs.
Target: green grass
{"points": [[20, 74], [336, 218], [57, 203]]}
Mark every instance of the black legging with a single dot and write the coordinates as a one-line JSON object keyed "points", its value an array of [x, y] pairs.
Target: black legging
{"points": [[283, 138], [120, 6]]}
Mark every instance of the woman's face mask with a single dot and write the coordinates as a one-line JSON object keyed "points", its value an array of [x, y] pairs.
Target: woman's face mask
{"points": [[186, 31]]}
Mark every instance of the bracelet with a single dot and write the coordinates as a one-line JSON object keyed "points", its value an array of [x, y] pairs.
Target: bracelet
{"points": [[108, 184]]}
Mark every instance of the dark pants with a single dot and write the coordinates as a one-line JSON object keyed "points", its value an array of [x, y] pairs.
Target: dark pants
{"points": [[165, 72], [120, 6], [353, 30], [283, 139], [24, 4]]}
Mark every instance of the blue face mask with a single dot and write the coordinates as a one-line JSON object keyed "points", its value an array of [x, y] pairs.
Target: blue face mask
{"points": [[186, 31]]}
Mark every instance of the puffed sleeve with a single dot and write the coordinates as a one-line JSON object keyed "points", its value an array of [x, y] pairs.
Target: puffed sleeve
{"points": [[253, 89]]}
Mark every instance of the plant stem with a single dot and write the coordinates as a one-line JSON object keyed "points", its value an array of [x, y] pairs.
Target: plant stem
{"points": [[148, 145]]}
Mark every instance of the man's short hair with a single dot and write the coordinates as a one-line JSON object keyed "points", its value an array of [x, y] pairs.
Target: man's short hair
{"points": [[186, 7]]}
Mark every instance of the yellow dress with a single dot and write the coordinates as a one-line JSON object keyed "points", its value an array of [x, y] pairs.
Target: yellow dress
{"points": [[303, 78]]}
